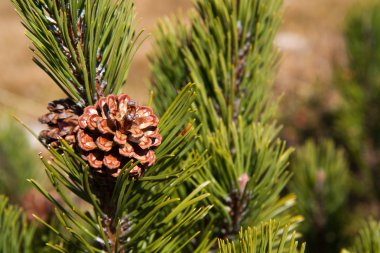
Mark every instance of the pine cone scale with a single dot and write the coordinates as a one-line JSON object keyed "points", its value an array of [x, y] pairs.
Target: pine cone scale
{"points": [[62, 121], [135, 134], [85, 141], [104, 127], [116, 131], [92, 121], [120, 138], [104, 144], [127, 150], [93, 161], [157, 141], [111, 162], [145, 142]]}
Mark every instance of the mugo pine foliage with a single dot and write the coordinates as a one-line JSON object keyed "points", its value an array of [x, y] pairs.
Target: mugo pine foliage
{"points": [[199, 169]]}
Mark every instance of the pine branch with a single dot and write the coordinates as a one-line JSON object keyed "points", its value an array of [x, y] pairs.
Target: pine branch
{"points": [[15, 233], [236, 165], [267, 237], [320, 181], [228, 52], [85, 46], [167, 63], [132, 214], [247, 184], [368, 238]]}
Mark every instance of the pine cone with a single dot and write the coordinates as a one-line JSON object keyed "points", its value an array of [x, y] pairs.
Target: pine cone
{"points": [[115, 131], [62, 121]]}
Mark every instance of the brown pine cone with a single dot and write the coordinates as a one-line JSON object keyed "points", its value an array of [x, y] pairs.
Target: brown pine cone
{"points": [[62, 121], [115, 131]]}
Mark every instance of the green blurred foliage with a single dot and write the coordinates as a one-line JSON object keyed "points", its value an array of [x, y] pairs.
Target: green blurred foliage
{"points": [[349, 110], [320, 182], [349, 190], [16, 234], [17, 160], [357, 122], [368, 238]]}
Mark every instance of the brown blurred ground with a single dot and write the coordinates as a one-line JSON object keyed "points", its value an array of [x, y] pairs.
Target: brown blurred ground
{"points": [[310, 40]]}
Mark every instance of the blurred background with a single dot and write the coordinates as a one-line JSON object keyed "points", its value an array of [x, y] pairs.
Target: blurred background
{"points": [[328, 75]]}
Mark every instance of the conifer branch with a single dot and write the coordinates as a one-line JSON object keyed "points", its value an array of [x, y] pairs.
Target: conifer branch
{"points": [[227, 49], [266, 237], [16, 234], [320, 182], [210, 174], [131, 214], [368, 238], [85, 46], [228, 52]]}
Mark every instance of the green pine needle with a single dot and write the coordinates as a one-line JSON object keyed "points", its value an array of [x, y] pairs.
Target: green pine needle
{"points": [[149, 214], [265, 238], [320, 181], [85, 46], [16, 235], [227, 51], [368, 238]]}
